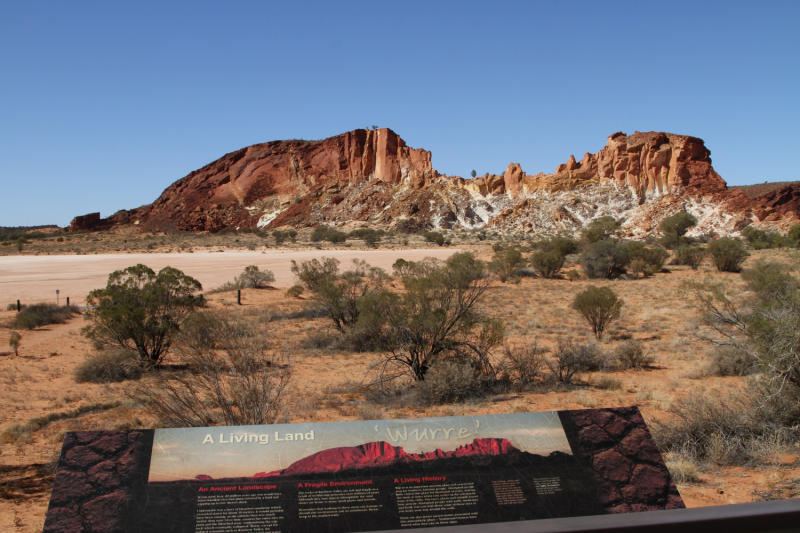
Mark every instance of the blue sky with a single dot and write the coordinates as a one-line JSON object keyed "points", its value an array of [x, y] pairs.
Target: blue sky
{"points": [[104, 104]]}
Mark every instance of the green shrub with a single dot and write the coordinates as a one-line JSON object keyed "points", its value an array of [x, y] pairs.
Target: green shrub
{"points": [[13, 306], [599, 306], [794, 235], [370, 236], [434, 236], [573, 275], [327, 233], [761, 240], [647, 257], [563, 245], [728, 254], [690, 256], [109, 366], [600, 229], [141, 309], [547, 264], [506, 262], [295, 291], [678, 224], [604, 259], [43, 314]]}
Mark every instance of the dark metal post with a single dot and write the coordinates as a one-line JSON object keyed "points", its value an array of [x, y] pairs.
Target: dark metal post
{"points": [[239, 296], [67, 301], [18, 306]]}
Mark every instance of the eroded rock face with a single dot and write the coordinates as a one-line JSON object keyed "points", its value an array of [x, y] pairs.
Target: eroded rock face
{"points": [[372, 176]]}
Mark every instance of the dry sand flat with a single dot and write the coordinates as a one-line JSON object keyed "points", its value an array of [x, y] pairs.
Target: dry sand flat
{"points": [[36, 278]]}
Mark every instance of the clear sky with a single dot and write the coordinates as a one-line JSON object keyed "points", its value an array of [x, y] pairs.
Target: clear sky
{"points": [[105, 104]]}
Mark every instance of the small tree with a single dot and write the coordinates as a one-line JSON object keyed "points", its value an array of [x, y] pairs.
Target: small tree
{"points": [[547, 264], [604, 260], [794, 235], [691, 256], [279, 236], [473, 173], [728, 254], [13, 342], [600, 229], [599, 306], [437, 317], [506, 262], [141, 309], [253, 278], [339, 294], [678, 224]]}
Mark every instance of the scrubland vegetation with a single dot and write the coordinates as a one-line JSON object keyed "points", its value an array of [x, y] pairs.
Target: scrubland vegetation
{"points": [[700, 333]]}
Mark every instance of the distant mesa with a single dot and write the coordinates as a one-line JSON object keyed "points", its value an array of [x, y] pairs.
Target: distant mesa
{"points": [[203, 477], [372, 177], [383, 454]]}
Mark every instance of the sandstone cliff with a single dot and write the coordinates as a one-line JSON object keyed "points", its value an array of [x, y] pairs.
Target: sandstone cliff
{"points": [[373, 176]]}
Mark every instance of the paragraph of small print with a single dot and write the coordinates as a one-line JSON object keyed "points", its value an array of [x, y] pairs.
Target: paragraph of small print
{"points": [[547, 485]]}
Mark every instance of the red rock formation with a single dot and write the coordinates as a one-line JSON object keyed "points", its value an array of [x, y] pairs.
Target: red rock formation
{"points": [[218, 195], [379, 454], [372, 175]]}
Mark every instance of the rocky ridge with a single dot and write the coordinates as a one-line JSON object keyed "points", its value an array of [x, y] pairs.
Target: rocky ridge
{"points": [[373, 177], [381, 454]]}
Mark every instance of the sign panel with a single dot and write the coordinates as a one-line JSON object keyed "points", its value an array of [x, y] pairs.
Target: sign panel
{"points": [[344, 477]]}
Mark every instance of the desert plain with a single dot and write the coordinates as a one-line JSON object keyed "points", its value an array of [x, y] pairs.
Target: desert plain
{"points": [[328, 382]]}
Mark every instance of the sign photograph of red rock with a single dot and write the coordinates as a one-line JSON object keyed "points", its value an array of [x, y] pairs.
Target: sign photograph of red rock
{"points": [[360, 476]]}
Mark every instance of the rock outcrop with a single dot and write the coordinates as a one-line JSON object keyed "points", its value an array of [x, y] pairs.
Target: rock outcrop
{"points": [[372, 176], [382, 454]]}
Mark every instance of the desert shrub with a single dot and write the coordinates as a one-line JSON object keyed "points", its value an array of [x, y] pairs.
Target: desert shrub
{"points": [[524, 365], [733, 430], [295, 291], [327, 233], [434, 236], [794, 235], [506, 262], [109, 366], [251, 278], [340, 294], [570, 360], [573, 275], [682, 467], [691, 256], [563, 245], [679, 223], [652, 258], [319, 340], [436, 317], [13, 342], [370, 236], [609, 383], [547, 264], [728, 254], [632, 354], [600, 229], [730, 361], [43, 314], [141, 309], [281, 236], [599, 306], [233, 377], [13, 306], [604, 259], [761, 240], [449, 382]]}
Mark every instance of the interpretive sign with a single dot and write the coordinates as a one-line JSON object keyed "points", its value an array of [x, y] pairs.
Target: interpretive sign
{"points": [[375, 475]]}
